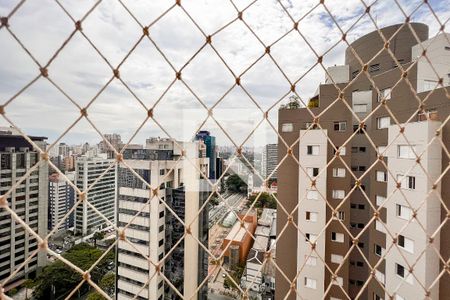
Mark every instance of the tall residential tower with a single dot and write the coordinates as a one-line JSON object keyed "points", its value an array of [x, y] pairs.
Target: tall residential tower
{"points": [[351, 190]]}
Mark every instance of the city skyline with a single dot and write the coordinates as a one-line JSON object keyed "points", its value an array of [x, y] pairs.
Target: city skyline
{"points": [[117, 108]]}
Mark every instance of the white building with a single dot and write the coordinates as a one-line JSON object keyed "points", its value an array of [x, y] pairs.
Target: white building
{"points": [[102, 195], [313, 155], [269, 160], [29, 200], [415, 187], [60, 201], [149, 232]]}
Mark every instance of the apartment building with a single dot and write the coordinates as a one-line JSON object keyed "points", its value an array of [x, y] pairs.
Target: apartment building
{"points": [[101, 195], [331, 201], [211, 151], [29, 200], [269, 161], [61, 198], [155, 230]]}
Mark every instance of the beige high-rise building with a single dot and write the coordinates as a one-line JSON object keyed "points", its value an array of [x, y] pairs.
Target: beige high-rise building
{"points": [[29, 200], [330, 199], [155, 231]]}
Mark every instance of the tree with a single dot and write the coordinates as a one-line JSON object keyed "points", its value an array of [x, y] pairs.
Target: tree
{"points": [[293, 103], [214, 201], [265, 200], [61, 279], [95, 296], [108, 283], [98, 235], [235, 184], [28, 284]]}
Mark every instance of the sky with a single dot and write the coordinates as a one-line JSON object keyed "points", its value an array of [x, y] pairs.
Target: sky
{"points": [[42, 26]]}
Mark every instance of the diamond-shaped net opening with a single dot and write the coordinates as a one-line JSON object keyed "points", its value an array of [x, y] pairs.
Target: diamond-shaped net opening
{"points": [[192, 150]]}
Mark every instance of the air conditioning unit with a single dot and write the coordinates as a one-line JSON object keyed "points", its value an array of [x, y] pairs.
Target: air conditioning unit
{"points": [[24, 149], [10, 149]]}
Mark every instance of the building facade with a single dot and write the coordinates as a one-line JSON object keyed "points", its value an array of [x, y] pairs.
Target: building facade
{"points": [[61, 198], [211, 151], [156, 231], [269, 161], [29, 200], [102, 195], [327, 194]]}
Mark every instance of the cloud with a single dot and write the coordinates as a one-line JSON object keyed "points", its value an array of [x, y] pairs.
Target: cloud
{"points": [[81, 71]]}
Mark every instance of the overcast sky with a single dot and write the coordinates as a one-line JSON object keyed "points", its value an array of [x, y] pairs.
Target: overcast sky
{"points": [[42, 26]]}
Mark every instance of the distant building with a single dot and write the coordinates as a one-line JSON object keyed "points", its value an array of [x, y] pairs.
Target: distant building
{"points": [[211, 153], [155, 231], [102, 195], [269, 161], [60, 201], [240, 239], [219, 167], [63, 149], [69, 163], [115, 140], [29, 200]]}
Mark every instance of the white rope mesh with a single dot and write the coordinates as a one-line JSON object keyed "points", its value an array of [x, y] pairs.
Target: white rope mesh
{"points": [[265, 39]]}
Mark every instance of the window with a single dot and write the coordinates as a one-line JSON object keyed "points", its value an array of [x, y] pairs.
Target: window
{"points": [[337, 237], [379, 226], [403, 212], [386, 94], [338, 194], [379, 250], [287, 127], [381, 176], [310, 260], [338, 172], [359, 130], [310, 237], [312, 150], [406, 151], [310, 283], [311, 216], [407, 182], [340, 126], [380, 200], [341, 215], [162, 172], [337, 259], [360, 108], [342, 150], [312, 172], [312, 195], [406, 244], [374, 68], [375, 296], [383, 122], [400, 270]]}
